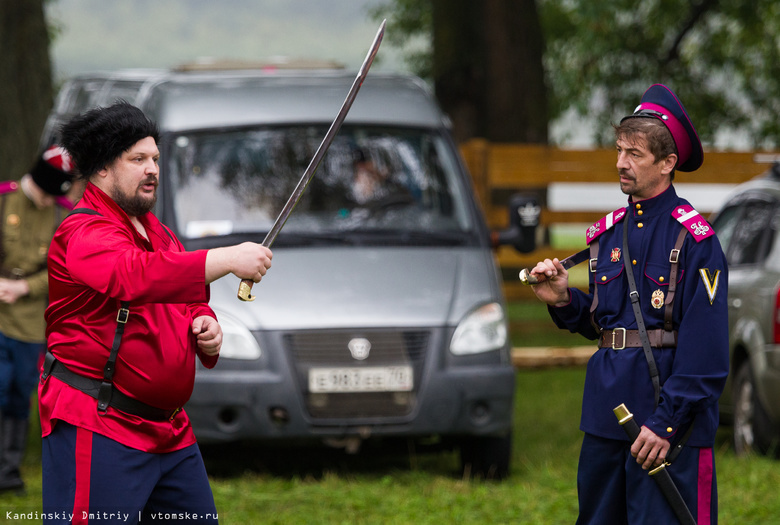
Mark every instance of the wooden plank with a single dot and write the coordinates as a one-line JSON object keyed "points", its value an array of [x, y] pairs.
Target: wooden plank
{"points": [[499, 170]]}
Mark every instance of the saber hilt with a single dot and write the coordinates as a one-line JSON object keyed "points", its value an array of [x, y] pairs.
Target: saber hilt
{"points": [[569, 262]]}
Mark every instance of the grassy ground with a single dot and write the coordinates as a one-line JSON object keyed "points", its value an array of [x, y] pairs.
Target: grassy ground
{"points": [[402, 484]]}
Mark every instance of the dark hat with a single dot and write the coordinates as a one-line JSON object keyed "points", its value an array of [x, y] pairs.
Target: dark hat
{"points": [[660, 102], [53, 172]]}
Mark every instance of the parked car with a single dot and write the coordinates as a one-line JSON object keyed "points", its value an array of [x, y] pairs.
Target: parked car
{"points": [[748, 227], [383, 315]]}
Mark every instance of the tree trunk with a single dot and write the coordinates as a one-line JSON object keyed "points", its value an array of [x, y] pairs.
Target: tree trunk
{"points": [[488, 72], [26, 91]]}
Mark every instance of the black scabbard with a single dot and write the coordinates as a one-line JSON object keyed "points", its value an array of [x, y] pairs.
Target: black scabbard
{"points": [[659, 474]]}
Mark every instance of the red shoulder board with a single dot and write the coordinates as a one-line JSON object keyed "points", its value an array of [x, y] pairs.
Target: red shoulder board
{"points": [[8, 187], [693, 222], [604, 224], [64, 202]]}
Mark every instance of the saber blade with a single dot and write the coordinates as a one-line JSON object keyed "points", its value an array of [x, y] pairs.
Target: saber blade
{"points": [[245, 288]]}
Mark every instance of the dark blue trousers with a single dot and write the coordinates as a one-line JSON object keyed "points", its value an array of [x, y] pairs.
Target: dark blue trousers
{"points": [[613, 489], [88, 478], [18, 375]]}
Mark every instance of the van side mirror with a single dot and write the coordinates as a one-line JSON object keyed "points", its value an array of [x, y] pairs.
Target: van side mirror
{"points": [[524, 211]]}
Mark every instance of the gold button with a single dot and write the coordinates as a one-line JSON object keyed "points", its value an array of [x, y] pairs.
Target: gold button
{"points": [[640, 212], [633, 262], [640, 225], [638, 206], [603, 277], [669, 429], [661, 279]]}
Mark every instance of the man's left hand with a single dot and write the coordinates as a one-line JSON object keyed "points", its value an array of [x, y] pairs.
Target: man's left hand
{"points": [[649, 449], [209, 334]]}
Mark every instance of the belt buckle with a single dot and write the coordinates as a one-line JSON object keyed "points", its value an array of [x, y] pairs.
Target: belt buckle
{"points": [[622, 343]]}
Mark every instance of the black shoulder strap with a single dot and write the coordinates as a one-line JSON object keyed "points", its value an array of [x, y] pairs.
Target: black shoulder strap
{"points": [[640, 322], [106, 387], [86, 211]]}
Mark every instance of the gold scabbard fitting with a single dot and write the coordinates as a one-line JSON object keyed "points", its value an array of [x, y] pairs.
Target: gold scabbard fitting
{"points": [[622, 413], [659, 468]]}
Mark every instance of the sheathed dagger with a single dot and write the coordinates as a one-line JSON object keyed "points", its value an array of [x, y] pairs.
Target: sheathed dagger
{"points": [[245, 288]]}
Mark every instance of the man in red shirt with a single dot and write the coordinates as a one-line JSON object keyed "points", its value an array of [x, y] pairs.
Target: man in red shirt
{"points": [[128, 313]]}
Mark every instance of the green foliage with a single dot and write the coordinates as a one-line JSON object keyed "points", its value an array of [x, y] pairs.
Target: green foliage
{"points": [[408, 22], [721, 57]]}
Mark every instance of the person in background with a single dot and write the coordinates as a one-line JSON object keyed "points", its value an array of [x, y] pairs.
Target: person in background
{"points": [[31, 208], [657, 306]]}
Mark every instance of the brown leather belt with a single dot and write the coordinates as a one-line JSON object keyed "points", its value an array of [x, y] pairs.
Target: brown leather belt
{"points": [[620, 338]]}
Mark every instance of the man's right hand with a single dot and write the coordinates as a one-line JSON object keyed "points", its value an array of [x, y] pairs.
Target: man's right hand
{"points": [[247, 260], [554, 288]]}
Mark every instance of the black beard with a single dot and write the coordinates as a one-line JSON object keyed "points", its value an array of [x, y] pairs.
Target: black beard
{"points": [[134, 205]]}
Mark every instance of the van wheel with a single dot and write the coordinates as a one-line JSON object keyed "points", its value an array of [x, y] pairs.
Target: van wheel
{"points": [[486, 457], [753, 431]]}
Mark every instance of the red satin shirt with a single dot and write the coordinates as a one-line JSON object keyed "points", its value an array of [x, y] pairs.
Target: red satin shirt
{"points": [[94, 263]]}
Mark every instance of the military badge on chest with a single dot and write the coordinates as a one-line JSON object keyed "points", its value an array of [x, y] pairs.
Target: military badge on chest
{"points": [[657, 299], [615, 255]]}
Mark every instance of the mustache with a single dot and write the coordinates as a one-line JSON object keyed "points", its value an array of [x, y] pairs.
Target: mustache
{"points": [[149, 180]]}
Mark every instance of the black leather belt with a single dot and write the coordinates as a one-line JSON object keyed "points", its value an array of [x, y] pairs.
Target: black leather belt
{"points": [[91, 387], [620, 338]]}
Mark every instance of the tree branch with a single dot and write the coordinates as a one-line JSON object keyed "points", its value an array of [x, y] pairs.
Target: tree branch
{"points": [[697, 12]]}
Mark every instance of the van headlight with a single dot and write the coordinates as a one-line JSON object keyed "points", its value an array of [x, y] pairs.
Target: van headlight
{"points": [[482, 330], [237, 341]]}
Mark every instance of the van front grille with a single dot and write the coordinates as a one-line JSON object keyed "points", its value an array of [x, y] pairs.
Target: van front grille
{"points": [[331, 349]]}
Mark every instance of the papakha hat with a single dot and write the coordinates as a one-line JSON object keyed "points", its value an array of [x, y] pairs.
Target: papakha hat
{"points": [[660, 102], [53, 172]]}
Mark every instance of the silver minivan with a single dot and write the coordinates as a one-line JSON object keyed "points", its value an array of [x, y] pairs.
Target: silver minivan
{"points": [[383, 314], [748, 226]]}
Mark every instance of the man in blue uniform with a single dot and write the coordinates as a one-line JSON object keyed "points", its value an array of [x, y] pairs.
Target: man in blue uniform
{"points": [[664, 353]]}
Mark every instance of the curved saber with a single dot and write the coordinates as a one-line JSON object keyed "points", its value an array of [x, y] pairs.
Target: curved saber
{"points": [[245, 288], [659, 474]]}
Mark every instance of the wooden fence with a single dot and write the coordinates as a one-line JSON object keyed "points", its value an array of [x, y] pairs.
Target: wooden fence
{"points": [[568, 185]]}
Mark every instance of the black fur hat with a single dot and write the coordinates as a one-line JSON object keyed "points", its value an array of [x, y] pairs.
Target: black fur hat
{"points": [[99, 136], [53, 172]]}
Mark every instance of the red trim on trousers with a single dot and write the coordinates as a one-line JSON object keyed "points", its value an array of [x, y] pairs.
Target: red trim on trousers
{"points": [[704, 507], [83, 474]]}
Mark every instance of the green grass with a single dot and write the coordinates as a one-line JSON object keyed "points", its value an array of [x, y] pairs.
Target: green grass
{"points": [[385, 484]]}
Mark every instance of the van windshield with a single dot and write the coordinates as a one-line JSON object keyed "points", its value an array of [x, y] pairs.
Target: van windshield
{"points": [[371, 181]]}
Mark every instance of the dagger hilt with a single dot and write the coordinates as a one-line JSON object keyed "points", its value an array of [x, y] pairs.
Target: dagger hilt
{"points": [[245, 290], [527, 278]]}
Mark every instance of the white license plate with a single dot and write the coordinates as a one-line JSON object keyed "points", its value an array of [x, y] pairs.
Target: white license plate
{"points": [[363, 379]]}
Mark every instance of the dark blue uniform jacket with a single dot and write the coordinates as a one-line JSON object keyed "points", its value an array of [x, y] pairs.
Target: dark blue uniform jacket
{"points": [[692, 374]]}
